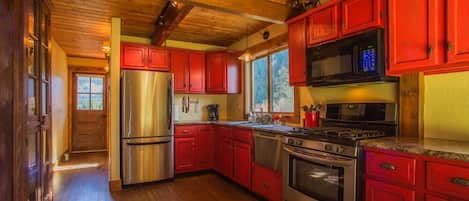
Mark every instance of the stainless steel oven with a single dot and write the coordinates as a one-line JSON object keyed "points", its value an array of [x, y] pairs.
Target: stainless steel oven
{"points": [[311, 175]]}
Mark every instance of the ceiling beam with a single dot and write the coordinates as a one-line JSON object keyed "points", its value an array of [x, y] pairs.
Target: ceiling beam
{"points": [[261, 10], [173, 13]]}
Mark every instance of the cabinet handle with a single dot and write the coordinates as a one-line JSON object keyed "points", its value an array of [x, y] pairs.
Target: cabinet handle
{"points": [[460, 181], [430, 50], [185, 131], [332, 27], [266, 185], [448, 46], [388, 166]]}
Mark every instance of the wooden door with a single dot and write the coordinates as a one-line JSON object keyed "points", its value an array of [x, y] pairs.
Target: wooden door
{"points": [[184, 153], [378, 191], [458, 31], [179, 66], [205, 147], [323, 24], [133, 56], [158, 59], [242, 163], [359, 15], [196, 72], [216, 73], [297, 52], [415, 34], [227, 158], [89, 113]]}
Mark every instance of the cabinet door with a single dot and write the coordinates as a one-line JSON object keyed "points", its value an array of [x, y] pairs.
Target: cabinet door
{"points": [[431, 198], [297, 52], [359, 15], [216, 73], [266, 182], [458, 31], [227, 158], [179, 66], [415, 34], [205, 148], [323, 24], [158, 59], [184, 152], [133, 56], [242, 164], [218, 151], [196, 72], [377, 191]]}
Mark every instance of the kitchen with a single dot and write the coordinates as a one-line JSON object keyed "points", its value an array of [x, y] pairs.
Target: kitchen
{"points": [[340, 100]]}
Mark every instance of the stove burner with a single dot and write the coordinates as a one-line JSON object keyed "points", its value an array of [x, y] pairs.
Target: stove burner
{"points": [[336, 132]]}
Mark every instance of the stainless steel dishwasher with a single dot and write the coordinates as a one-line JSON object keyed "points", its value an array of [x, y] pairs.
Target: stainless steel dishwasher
{"points": [[267, 149]]}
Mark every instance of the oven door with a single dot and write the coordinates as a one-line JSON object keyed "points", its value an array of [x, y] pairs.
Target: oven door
{"points": [[317, 176]]}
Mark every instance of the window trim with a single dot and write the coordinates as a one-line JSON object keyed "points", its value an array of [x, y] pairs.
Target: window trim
{"points": [[292, 117]]}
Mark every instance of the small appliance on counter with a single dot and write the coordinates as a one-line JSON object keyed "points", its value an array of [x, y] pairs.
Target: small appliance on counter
{"points": [[212, 112]]}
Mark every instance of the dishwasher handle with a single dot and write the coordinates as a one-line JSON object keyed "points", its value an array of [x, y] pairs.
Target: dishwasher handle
{"points": [[146, 143], [267, 136]]}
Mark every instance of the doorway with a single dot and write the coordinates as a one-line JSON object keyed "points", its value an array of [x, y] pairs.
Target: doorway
{"points": [[89, 113]]}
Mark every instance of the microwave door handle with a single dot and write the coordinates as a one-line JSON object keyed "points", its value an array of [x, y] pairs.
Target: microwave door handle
{"points": [[333, 160]]}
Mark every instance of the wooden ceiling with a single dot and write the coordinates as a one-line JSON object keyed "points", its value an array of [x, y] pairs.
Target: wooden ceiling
{"points": [[81, 26]]}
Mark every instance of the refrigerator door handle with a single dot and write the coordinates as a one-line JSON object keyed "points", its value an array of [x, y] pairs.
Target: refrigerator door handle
{"points": [[146, 143], [129, 124], [170, 103]]}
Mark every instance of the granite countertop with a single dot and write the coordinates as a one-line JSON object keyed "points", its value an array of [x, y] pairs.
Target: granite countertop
{"points": [[445, 149], [241, 124]]}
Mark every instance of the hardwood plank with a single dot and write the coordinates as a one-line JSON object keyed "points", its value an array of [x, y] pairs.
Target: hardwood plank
{"points": [[411, 100]]}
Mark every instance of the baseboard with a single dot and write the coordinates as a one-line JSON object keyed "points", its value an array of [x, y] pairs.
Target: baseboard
{"points": [[115, 185]]}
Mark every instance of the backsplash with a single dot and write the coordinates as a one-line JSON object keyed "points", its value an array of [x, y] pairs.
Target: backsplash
{"points": [[200, 112]]}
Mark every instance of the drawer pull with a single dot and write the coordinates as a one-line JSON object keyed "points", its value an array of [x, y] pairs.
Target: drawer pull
{"points": [[460, 181], [388, 166], [185, 131]]}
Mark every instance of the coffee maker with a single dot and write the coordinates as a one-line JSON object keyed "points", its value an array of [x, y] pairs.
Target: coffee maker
{"points": [[212, 112]]}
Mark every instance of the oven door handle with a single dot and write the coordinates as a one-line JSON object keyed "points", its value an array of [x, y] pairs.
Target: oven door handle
{"points": [[328, 160]]}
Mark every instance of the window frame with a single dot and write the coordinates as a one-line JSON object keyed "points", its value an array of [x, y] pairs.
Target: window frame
{"points": [[76, 93], [268, 55]]}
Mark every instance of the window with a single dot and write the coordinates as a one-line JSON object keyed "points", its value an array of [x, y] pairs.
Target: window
{"points": [[271, 91], [90, 92]]}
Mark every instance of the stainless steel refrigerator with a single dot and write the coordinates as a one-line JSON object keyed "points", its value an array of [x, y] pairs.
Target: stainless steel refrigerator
{"points": [[146, 126]]}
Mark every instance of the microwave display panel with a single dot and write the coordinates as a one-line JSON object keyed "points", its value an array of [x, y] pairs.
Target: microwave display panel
{"points": [[368, 60]]}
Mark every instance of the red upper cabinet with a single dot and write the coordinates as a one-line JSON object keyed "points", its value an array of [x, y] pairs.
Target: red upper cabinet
{"points": [[458, 31], [158, 59], [196, 72], [416, 34], [223, 73], [377, 191], [323, 23], [179, 65], [133, 56], [359, 15], [184, 154], [297, 51]]}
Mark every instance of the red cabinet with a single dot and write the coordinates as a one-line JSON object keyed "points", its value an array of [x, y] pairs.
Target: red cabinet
{"points": [[323, 23], [358, 15], [266, 182], [378, 191], [133, 56], [242, 163], [448, 179], [297, 52], [432, 198], [158, 59], [458, 29], [179, 67], [144, 57], [196, 72], [391, 168], [184, 151], [205, 148], [223, 73], [227, 158]]}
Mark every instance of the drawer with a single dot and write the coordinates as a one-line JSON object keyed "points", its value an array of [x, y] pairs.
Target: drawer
{"points": [[185, 131], [391, 168], [243, 135], [266, 182], [448, 179]]}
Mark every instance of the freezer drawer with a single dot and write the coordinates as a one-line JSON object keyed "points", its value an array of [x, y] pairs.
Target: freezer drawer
{"points": [[147, 159]]}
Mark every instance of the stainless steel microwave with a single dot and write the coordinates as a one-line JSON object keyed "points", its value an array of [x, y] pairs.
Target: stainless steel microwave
{"points": [[357, 59]]}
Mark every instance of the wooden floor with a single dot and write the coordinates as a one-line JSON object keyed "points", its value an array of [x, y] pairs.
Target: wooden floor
{"points": [[89, 183]]}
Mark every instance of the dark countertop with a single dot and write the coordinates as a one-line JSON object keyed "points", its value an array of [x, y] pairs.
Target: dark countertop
{"points": [[445, 149], [266, 128]]}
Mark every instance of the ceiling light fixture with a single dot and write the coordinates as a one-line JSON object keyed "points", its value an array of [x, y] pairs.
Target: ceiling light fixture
{"points": [[247, 56]]}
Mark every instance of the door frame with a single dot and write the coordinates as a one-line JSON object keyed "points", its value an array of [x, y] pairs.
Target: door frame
{"points": [[87, 70]]}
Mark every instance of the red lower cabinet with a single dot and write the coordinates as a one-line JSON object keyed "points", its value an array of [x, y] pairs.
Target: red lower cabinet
{"points": [[184, 160], [227, 158], [431, 198], [242, 163], [266, 182], [378, 191], [205, 148]]}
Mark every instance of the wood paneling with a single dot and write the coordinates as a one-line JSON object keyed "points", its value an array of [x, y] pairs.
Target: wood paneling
{"points": [[214, 27], [411, 105]]}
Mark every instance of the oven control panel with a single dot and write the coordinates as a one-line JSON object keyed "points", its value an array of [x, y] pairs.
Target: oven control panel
{"points": [[322, 146]]}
